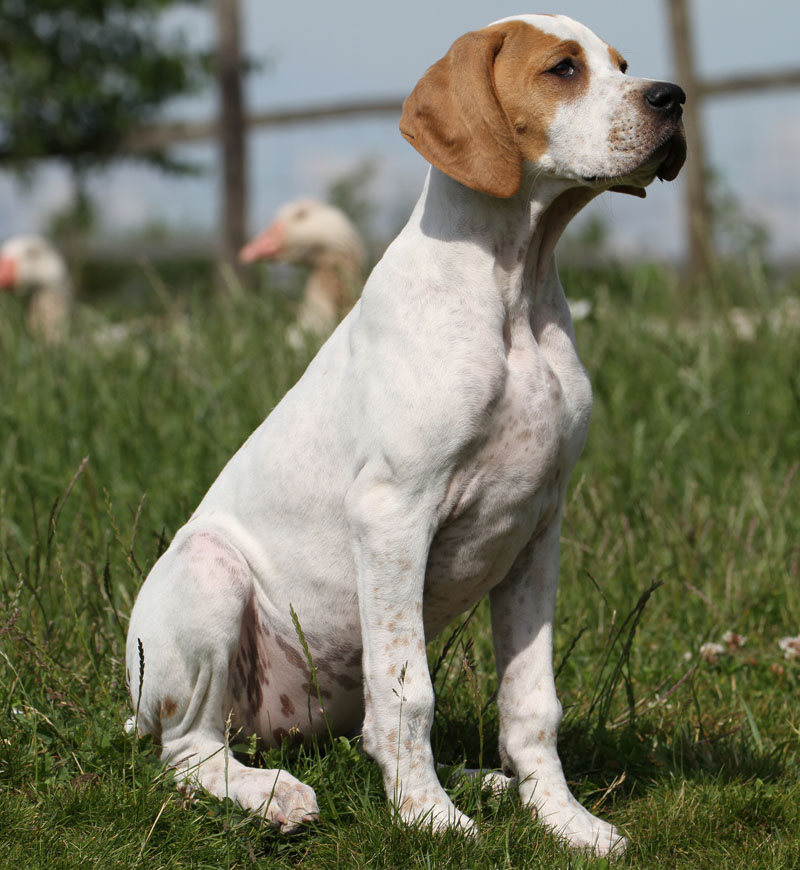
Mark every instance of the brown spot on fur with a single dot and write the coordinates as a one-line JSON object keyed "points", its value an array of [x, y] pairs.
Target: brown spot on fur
{"points": [[347, 682], [309, 689], [617, 59], [287, 707], [254, 656], [292, 655], [168, 708], [322, 664]]}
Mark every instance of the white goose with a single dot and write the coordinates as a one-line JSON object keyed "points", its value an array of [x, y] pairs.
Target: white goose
{"points": [[312, 233], [33, 268]]}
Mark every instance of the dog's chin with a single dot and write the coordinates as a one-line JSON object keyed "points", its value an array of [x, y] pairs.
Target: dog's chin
{"points": [[663, 162], [672, 155]]}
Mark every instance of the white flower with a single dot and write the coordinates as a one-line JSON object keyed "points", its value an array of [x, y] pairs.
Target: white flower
{"points": [[790, 646], [734, 641], [710, 651]]}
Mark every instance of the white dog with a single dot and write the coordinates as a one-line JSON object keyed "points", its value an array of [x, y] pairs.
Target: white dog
{"points": [[422, 459]]}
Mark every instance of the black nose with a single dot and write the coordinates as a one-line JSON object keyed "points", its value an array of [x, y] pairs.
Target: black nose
{"points": [[665, 97]]}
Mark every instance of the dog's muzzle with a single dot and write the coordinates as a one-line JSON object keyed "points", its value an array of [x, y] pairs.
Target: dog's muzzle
{"points": [[666, 101], [674, 155]]}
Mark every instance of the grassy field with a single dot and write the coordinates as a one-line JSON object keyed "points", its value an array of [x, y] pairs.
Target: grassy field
{"points": [[682, 525]]}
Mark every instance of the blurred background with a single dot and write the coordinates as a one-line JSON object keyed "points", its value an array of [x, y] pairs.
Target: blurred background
{"points": [[169, 130]]}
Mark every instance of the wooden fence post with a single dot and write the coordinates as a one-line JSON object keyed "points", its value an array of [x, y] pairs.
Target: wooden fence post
{"points": [[231, 132], [698, 222]]}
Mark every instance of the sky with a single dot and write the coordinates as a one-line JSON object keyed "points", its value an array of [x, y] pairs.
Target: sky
{"points": [[312, 53]]}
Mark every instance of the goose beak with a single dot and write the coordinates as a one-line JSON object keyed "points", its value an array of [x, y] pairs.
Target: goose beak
{"points": [[266, 245], [8, 273]]}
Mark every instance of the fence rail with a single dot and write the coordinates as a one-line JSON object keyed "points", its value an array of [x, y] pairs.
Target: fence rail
{"points": [[159, 136], [698, 90], [752, 82]]}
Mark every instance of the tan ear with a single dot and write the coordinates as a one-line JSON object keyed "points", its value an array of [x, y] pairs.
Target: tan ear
{"points": [[453, 117]]}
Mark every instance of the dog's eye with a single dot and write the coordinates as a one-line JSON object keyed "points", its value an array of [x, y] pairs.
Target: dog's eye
{"points": [[564, 69]]}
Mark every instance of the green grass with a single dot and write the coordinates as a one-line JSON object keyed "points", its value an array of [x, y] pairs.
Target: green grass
{"points": [[687, 493]]}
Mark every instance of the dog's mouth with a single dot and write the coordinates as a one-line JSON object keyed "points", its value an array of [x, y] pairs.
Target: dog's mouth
{"points": [[664, 162], [672, 155]]}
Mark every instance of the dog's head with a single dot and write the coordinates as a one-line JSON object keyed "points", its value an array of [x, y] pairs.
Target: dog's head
{"points": [[543, 92]]}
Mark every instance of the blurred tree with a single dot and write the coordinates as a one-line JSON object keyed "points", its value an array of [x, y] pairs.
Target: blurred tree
{"points": [[76, 76]]}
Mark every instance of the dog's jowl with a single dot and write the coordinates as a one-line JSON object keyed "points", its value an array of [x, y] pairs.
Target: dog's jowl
{"points": [[421, 461]]}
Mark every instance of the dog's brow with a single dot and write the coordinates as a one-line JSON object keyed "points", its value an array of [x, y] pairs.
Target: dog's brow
{"points": [[570, 46]]}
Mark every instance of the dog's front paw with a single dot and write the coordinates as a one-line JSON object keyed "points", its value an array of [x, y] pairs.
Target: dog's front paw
{"points": [[595, 835], [436, 811], [569, 820], [282, 800]]}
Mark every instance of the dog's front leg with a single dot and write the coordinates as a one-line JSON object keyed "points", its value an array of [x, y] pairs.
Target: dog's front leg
{"points": [[390, 538], [522, 625]]}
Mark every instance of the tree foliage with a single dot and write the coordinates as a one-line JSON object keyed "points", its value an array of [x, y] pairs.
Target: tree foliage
{"points": [[77, 76]]}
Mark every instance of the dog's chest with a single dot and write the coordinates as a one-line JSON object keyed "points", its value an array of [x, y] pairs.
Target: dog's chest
{"points": [[511, 483]]}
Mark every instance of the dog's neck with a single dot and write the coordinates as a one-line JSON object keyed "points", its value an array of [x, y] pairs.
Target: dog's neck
{"points": [[518, 235]]}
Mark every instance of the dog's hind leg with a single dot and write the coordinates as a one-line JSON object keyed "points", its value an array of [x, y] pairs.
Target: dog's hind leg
{"points": [[184, 634]]}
